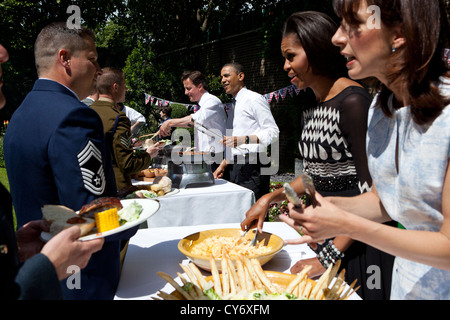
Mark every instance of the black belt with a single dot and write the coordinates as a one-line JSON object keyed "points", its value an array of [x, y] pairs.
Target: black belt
{"points": [[334, 184], [248, 158]]}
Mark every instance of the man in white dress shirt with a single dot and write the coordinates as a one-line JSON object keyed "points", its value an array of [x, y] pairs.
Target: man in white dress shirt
{"points": [[211, 115], [251, 128], [136, 118], [89, 100]]}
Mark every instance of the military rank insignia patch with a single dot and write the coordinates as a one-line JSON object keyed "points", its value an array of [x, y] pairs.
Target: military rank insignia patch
{"points": [[125, 140], [90, 160]]}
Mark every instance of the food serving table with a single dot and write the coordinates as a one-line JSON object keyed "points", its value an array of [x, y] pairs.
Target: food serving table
{"points": [[156, 249], [222, 202]]}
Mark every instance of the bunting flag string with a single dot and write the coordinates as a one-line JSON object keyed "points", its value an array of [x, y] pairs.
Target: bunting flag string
{"points": [[277, 95], [446, 56]]}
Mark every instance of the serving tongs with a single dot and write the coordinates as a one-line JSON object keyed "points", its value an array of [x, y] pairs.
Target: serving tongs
{"points": [[200, 127], [292, 196], [310, 190], [251, 226], [153, 135]]}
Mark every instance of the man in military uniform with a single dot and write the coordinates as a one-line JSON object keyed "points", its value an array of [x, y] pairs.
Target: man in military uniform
{"points": [[55, 149], [28, 271], [117, 128]]}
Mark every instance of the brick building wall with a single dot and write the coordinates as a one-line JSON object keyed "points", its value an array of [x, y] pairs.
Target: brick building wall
{"points": [[263, 74], [447, 3]]}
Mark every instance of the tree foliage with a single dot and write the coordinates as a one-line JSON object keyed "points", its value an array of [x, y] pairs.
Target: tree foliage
{"points": [[141, 36], [20, 23], [144, 76]]}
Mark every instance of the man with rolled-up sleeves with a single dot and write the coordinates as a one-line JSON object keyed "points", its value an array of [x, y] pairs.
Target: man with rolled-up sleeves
{"points": [[251, 128], [211, 117]]}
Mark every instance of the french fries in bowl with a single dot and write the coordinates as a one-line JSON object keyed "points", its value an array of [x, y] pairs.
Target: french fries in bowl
{"points": [[200, 246], [244, 279]]}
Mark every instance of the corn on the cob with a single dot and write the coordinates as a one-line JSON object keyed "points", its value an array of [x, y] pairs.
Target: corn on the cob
{"points": [[107, 220]]}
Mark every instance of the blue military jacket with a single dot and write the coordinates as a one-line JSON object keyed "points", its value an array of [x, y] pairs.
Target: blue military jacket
{"points": [[55, 153]]}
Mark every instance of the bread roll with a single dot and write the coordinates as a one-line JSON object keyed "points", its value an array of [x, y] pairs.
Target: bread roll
{"points": [[156, 187], [166, 184], [162, 183], [59, 218]]}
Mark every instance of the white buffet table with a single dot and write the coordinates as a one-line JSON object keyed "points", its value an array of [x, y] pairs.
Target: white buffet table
{"points": [[223, 202], [153, 250]]}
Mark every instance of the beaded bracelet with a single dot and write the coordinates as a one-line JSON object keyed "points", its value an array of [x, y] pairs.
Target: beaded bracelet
{"points": [[329, 254]]}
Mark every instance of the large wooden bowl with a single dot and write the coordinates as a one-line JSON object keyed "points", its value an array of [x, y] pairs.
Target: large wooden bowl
{"points": [[185, 245]]}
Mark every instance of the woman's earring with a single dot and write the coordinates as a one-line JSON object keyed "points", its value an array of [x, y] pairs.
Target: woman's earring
{"points": [[393, 49]]}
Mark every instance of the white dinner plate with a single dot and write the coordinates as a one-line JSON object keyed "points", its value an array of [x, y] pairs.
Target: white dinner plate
{"points": [[172, 192], [149, 208]]}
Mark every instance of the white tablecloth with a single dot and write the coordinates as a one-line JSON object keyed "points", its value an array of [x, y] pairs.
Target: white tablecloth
{"points": [[153, 250], [223, 202]]}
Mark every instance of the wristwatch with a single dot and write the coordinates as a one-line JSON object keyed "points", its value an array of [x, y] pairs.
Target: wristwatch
{"points": [[247, 139]]}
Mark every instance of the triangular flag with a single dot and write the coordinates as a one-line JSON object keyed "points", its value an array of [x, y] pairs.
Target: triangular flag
{"points": [[276, 94], [291, 91], [283, 93]]}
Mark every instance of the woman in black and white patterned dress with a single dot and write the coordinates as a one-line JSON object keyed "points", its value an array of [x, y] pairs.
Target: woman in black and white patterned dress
{"points": [[332, 145]]}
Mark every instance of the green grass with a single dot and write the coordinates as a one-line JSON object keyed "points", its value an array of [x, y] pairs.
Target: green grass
{"points": [[5, 182], [4, 178]]}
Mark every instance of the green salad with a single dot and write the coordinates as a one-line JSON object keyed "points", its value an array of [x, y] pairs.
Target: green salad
{"points": [[130, 213]]}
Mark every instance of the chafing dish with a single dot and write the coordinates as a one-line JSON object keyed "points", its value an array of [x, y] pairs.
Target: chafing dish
{"points": [[190, 169]]}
